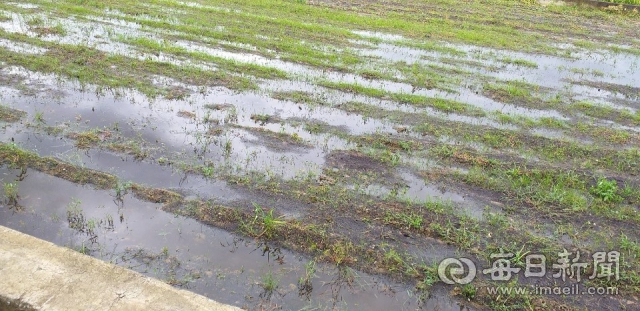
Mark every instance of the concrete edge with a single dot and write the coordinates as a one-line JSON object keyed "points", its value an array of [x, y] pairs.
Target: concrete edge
{"points": [[40, 275]]}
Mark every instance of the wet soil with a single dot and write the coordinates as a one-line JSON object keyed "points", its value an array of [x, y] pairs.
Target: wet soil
{"points": [[302, 185]]}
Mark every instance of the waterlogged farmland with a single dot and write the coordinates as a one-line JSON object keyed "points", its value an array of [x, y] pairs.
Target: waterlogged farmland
{"points": [[327, 154]]}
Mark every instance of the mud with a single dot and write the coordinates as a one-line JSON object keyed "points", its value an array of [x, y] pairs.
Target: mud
{"points": [[185, 253]]}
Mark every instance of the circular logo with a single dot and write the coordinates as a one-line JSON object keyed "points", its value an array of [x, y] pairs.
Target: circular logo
{"points": [[456, 268]]}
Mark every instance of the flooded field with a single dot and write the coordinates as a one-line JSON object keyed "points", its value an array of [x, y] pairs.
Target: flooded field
{"points": [[327, 155]]}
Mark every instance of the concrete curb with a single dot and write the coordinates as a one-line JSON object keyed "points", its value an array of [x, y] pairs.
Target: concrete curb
{"points": [[39, 275]]}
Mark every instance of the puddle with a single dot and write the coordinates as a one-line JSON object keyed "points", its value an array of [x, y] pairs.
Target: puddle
{"points": [[415, 190], [550, 71], [100, 34], [557, 134], [208, 7], [155, 122], [378, 35], [185, 253], [188, 131], [20, 47]]}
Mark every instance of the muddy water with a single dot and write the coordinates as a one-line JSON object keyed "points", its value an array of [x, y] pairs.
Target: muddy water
{"points": [[181, 251], [554, 72], [216, 263], [156, 123], [416, 190]]}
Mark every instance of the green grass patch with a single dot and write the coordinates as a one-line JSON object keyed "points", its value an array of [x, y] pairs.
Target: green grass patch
{"points": [[8, 114], [440, 104], [518, 62], [153, 46]]}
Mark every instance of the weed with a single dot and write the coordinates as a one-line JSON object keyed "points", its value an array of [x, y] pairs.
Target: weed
{"points": [[385, 156], [39, 117], [412, 220], [121, 189], [228, 147], [110, 223], [86, 140], [409, 220], [207, 171], [430, 278], [304, 282], [393, 260], [340, 253], [469, 291], [9, 114], [269, 282], [519, 62], [463, 234], [518, 257], [58, 29], [11, 193], [606, 190], [313, 128], [4, 17], [299, 97], [232, 115], [262, 118], [35, 21], [75, 216], [83, 249], [267, 222]]}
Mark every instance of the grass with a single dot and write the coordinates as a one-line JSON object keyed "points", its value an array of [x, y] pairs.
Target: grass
{"points": [[8, 114], [407, 219], [121, 189], [262, 118], [427, 76], [517, 172], [300, 97], [266, 221], [269, 282], [35, 21], [444, 105], [152, 46], [607, 190], [519, 62], [11, 192], [511, 91], [633, 2], [57, 30], [305, 282], [469, 291], [623, 116], [89, 65], [463, 232], [85, 140], [39, 117], [4, 17], [330, 20]]}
